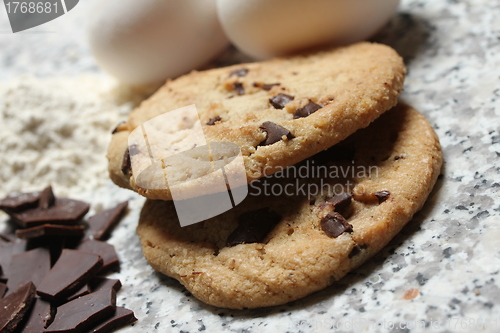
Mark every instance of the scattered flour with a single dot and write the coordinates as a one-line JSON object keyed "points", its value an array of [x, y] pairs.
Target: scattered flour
{"points": [[56, 131]]}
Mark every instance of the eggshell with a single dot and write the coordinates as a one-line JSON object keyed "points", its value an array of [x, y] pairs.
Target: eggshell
{"points": [[266, 28], [147, 41]]}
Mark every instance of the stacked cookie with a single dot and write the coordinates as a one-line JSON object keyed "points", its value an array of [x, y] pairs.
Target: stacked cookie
{"points": [[330, 180]]}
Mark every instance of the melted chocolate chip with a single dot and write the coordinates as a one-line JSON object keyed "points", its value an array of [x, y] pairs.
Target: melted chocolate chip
{"points": [[238, 87], [253, 227], [382, 196], [47, 198], [307, 110], [335, 225], [274, 132], [357, 250], [269, 86], [340, 201], [336, 153], [279, 101], [213, 120], [126, 164], [239, 72]]}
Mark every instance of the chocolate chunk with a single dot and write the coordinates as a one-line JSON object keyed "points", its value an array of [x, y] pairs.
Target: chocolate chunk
{"points": [[274, 132], [81, 314], [84, 290], [51, 230], [269, 86], [213, 120], [279, 101], [47, 198], [239, 88], [335, 225], [382, 196], [126, 163], [72, 270], [14, 307], [239, 72], [121, 318], [340, 201], [307, 110], [253, 227], [101, 223], [105, 250], [3, 289], [65, 211], [7, 251], [357, 250], [28, 266], [16, 202], [99, 283], [39, 317]]}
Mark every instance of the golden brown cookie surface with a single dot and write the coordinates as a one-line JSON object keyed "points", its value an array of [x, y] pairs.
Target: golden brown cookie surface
{"points": [[312, 238]]}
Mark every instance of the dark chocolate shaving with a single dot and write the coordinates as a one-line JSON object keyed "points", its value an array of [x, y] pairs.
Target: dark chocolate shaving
{"points": [[239, 72], [47, 198], [39, 317], [335, 225], [213, 120], [17, 202], [356, 250], [121, 318], [340, 201], [105, 250], [279, 101], [100, 283], [14, 307], [253, 227], [382, 196], [30, 266], [82, 313], [275, 133], [72, 270], [307, 110], [238, 87], [103, 222]]}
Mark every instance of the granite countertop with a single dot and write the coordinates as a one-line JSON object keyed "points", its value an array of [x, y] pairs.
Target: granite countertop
{"points": [[440, 274]]}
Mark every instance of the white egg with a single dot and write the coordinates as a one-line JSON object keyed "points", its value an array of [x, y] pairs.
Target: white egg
{"points": [[266, 28], [147, 41]]}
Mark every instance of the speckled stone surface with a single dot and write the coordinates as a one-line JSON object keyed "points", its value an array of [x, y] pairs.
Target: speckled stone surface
{"points": [[440, 274]]}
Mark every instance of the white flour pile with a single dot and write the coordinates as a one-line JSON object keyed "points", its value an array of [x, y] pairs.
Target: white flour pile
{"points": [[56, 131]]}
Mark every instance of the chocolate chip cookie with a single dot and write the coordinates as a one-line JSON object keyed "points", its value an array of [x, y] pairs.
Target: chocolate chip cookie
{"points": [[278, 112], [306, 226]]}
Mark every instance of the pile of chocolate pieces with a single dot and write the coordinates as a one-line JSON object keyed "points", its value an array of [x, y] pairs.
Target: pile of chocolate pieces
{"points": [[52, 266]]}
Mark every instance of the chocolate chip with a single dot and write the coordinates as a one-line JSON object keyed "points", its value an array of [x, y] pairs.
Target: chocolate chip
{"points": [[47, 198], [16, 202], [51, 230], [64, 211], [239, 72], [335, 225], [103, 222], [3, 289], [14, 307], [39, 317], [72, 270], [279, 101], [239, 88], [340, 201], [356, 250], [253, 227], [28, 266], [82, 313], [274, 132], [213, 120], [382, 196], [269, 86], [120, 318], [126, 163], [307, 110], [105, 250]]}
